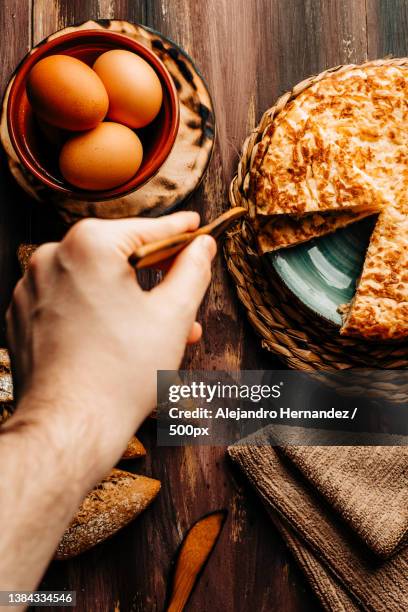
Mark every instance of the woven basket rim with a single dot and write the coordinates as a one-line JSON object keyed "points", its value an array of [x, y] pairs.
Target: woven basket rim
{"points": [[300, 337]]}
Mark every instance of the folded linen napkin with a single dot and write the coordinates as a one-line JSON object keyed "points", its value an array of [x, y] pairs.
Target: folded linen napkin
{"points": [[366, 485], [329, 526], [331, 593]]}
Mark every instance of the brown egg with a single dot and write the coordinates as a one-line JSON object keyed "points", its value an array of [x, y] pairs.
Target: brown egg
{"points": [[134, 89], [102, 158], [67, 93]]}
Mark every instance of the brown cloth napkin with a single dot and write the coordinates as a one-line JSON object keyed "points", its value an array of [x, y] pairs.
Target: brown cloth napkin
{"points": [[367, 486], [339, 509]]}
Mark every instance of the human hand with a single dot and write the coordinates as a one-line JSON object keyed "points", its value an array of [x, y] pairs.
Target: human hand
{"points": [[86, 340]]}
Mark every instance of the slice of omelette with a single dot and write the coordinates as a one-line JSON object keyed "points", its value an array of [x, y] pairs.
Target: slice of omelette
{"points": [[341, 143], [379, 309], [280, 232]]}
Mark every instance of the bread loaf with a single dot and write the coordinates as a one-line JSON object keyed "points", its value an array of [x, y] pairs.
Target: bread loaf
{"points": [[6, 382], [114, 503], [6, 410], [24, 253], [134, 449], [6, 387]]}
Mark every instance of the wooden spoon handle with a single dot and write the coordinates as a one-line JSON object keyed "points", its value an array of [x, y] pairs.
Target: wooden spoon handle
{"points": [[148, 255]]}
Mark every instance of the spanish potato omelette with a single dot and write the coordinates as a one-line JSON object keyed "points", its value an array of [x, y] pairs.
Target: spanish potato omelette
{"points": [[379, 309], [283, 231], [341, 147]]}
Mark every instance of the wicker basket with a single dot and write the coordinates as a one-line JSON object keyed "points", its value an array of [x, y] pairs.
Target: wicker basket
{"points": [[287, 328]]}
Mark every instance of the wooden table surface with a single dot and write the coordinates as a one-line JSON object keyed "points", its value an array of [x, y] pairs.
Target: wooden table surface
{"points": [[250, 51]]}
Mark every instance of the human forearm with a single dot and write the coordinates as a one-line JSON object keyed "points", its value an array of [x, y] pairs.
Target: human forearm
{"points": [[40, 490], [86, 342]]}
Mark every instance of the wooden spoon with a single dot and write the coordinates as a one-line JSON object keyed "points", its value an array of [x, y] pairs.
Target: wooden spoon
{"points": [[148, 255], [192, 556]]}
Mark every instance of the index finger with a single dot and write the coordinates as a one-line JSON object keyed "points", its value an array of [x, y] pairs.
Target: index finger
{"points": [[132, 233], [123, 236]]}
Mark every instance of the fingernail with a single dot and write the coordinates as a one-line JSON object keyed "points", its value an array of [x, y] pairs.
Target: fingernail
{"points": [[208, 244]]}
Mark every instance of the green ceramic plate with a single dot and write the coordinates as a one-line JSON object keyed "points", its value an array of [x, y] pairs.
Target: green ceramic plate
{"points": [[322, 273]]}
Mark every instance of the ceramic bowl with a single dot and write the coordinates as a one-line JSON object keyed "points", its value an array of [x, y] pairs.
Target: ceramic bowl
{"points": [[41, 159]]}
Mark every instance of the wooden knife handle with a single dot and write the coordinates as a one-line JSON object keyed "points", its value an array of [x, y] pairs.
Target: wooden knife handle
{"points": [[193, 554]]}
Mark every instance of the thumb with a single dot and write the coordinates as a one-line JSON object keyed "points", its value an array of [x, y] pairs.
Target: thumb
{"points": [[185, 284]]}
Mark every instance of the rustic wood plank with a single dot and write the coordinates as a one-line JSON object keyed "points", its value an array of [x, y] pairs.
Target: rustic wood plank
{"points": [[15, 28], [203, 31], [249, 53], [387, 23], [51, 16], [215, 33], [298, 39]]}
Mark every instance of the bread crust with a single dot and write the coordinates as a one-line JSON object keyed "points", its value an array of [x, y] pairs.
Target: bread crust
{"points": [[134, 449], [114, 503], [6, 381], [24, 254]]}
